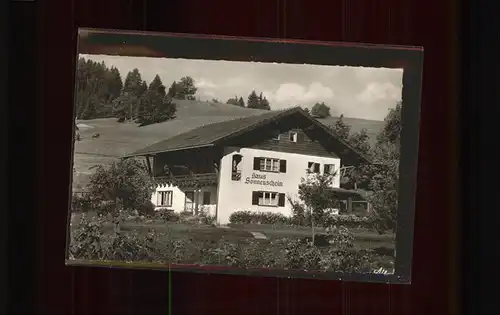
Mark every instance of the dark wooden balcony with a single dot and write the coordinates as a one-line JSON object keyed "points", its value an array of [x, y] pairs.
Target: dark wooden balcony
{"points": [[192, 181]]}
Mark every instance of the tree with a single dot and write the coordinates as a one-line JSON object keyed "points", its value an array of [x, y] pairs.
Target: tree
{"points": [[157, 86], [320, 110], [125, 184], [241, 102], [134, 85], [185, 89], [318, 198], [172, 90], [233, 101], [264, 104], [360, 141], [155, 106], [253, 100], [385, 172], [306, 110], [341, 129], [125, 106], [96, 87], [115, 83]]}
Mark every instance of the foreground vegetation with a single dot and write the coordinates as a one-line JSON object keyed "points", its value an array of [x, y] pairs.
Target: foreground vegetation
{"points": [[93, 239]]}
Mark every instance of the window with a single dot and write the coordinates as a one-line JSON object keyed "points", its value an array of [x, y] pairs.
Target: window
{"points": [[268, 198], [329, 169], [276, 135], [206, 198], [267, 164], [293, 135], [313, 167], [165, 198]]}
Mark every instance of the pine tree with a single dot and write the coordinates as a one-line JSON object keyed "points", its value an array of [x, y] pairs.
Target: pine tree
{"points": [[172, 91], [341, 129], [155, 105], [115, 83], [264, 104], [96, 87], [157, 86], [241, 102], [253, 100], [133, 83]]}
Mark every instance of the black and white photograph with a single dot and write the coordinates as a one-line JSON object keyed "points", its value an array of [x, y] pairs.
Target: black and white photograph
{"points": [[241, 164]]}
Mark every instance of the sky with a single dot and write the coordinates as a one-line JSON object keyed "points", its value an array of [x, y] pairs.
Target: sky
{"points": [[356, 92]]}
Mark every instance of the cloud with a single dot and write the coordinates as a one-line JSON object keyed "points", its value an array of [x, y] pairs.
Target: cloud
{"points": [[376, 91], [296, 93], [204, 83]]}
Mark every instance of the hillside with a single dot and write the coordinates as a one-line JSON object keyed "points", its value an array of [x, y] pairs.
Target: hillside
{"points": [[117, 139]]}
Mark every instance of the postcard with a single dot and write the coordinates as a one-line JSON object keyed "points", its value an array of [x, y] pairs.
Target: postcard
{"points": [[244, 156]]}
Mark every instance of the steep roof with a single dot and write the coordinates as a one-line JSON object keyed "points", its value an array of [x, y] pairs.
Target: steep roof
{"points": [[211, 134]]}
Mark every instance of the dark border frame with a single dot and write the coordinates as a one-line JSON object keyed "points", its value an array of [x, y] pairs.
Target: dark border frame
{"points": [[172, 45]]}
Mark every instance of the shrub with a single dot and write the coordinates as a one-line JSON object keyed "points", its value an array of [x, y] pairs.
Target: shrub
{"points": [[147, 208], [166, 215], [349, 220], [124, 184], [80, 203], [86, 240], [250, 217]]}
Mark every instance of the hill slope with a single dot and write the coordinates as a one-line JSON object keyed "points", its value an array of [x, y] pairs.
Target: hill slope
{"points": [[117, 139]]}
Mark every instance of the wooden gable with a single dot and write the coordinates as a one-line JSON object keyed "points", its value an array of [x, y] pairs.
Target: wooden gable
{"points": [[296, 135]]}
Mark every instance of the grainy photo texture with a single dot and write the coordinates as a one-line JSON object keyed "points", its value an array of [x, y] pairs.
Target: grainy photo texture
{"points": [[242, 164]]}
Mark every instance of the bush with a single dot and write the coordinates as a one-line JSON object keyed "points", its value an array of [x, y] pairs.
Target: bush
{"points": [[166, 215], [80, 203], [122, 185], [250, 217], [148, 208], [300, 218], [349, 220]]}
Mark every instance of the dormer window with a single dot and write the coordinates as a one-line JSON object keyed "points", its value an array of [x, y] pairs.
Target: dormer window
{"points": [[293, 135]]}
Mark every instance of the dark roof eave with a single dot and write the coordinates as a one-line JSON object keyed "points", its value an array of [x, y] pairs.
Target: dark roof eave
{"points": [[149, 153]]}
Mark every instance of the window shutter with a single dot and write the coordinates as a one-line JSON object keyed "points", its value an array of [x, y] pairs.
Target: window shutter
{"points": [[316, 167], [282, 166], [281, 200], [325, 169], [256, 164], [255, 197]]}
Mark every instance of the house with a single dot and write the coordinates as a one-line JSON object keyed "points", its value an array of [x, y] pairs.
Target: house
{"points": [[251, 163]]}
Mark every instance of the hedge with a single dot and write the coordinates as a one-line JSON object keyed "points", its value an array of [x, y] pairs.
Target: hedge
{"points": [[347, 220]]}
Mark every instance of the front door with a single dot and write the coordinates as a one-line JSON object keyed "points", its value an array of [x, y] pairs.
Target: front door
{"points": [[190, 202]]}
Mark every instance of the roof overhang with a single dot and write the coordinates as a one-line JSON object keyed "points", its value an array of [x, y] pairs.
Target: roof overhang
{"points": [[150, 153], [346, 193]]}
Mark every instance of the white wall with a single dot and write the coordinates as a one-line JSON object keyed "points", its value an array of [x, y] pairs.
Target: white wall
{"points": [[179, 198], [237, 195]]}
